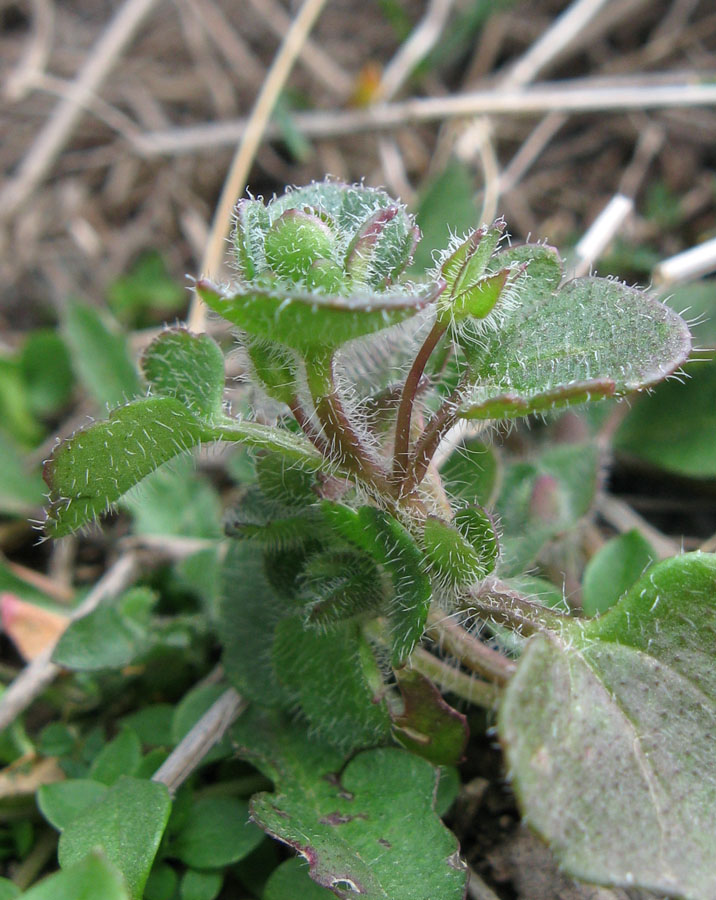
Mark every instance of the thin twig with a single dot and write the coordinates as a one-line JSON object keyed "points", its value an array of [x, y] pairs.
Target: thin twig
{"points": [[622, 517], [37, 51], [55, 133], [207, 732], [477, 889], [699, 260], [250, 141], [38, 674], [579, 95]]}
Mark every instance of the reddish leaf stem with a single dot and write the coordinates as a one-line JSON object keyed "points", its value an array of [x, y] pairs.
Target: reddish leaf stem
{"points": [[405, 410]]}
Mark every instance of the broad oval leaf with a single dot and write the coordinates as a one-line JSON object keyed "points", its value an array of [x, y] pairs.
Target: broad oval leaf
{"points": [[126, 824], [93, 878], [592, 338], [609, 736]]}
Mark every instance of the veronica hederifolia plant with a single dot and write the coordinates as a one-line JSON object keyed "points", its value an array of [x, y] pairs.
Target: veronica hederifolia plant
{"points": [[349, 545]]}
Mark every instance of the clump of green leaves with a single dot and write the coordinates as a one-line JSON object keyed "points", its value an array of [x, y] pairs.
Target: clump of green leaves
{"points": [[349, 545]]}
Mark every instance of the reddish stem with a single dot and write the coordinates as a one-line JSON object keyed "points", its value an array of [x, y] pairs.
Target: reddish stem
{"points": [[405, 410], [308, 428], [437, 428]]}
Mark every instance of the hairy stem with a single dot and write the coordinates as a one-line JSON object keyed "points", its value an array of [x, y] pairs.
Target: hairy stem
{"points": [[497, 601], [472, 652], [405, 410], [437, 428], [307, 427], [481, 693], [340, 435]]}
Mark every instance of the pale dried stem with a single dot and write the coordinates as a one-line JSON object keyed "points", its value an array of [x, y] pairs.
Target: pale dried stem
{"points": [[21, 81], [207, 732], [622, 517], [58, 128], [577, 96], [250, 141], [312, 55]]}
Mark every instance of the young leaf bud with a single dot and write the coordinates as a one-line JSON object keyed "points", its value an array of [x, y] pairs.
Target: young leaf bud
{"points": [[251, 221], [382, 248], [295, 241]]}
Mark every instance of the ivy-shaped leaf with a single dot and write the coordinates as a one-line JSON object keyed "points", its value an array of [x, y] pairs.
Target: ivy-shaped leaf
{"points": [[592, 338], [369, 829], [609, 736]]}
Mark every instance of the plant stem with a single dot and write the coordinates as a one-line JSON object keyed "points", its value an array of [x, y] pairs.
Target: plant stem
{"points": [[437, 428], [341, 437], [481, 693], [307, 427], [405, 410], [503, 604], [472, 653]]}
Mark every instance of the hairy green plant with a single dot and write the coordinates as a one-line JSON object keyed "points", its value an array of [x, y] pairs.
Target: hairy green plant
{"points": [[349, 548]]}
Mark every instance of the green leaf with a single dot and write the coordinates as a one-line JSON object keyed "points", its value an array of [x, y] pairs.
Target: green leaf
{"points": [[675, 427], [216, 834], [593, 338], [126, 824], [286, 484], [8, 889], [625, 700], [62, 801], [385, 539], [613, 570], [47, 372], [96, 466], [152, 724], [338, 585], [336, 680], [698, 301], [201, 885], [162, 883], [117, 758], [313, 322], [100, 356], [21, 490], [447, 205], [371, 829], [188, 367], [249, 612], [428, 726], [291, 880], [93, 878], [104, 639]]}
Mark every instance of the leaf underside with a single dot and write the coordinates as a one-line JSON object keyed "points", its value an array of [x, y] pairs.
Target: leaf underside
{"points": [[609, 736]]}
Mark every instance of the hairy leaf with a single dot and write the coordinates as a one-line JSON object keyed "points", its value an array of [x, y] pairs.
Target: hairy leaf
{"points": [[188, 367], [126, 824], [593, 338], [629, 701], [313, 322], [472, 473], [90, 471], [385, 539], [62, 801], [368, 828], [336, 680]]}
